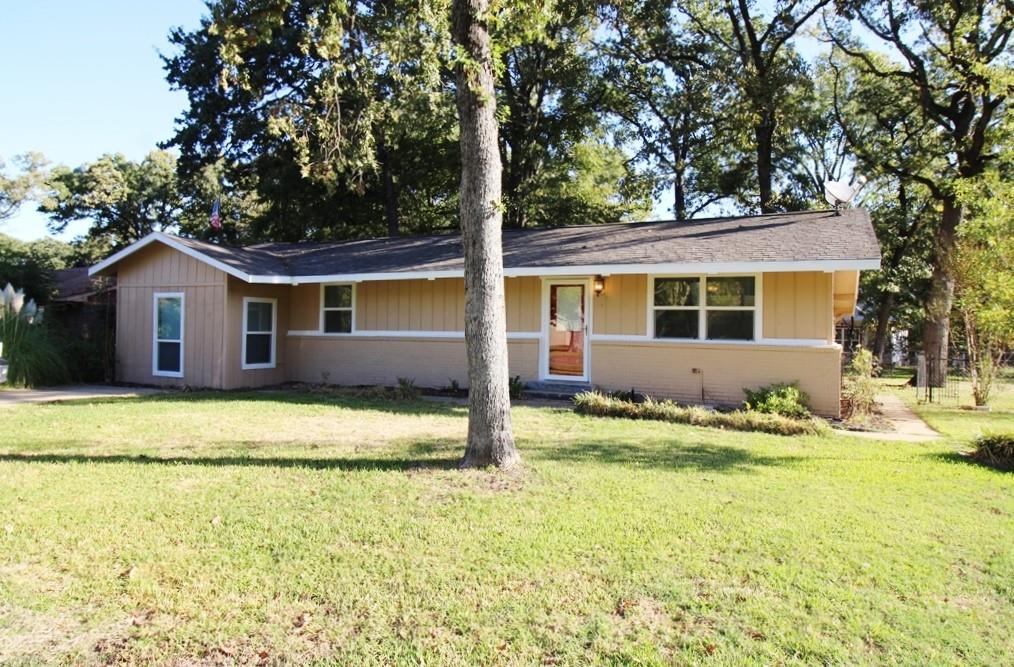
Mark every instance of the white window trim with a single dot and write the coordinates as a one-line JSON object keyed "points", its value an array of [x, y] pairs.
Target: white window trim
{"points": [[547, 282], [703, 308], [274, 332], [323, 309], [155, 340]]}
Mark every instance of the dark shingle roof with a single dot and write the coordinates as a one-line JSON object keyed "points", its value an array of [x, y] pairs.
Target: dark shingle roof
{"points": [[823, 236]]}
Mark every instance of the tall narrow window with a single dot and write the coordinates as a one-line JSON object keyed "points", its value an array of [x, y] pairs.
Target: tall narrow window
{"points": [[337, 309], [167, 347], [258, 333]]}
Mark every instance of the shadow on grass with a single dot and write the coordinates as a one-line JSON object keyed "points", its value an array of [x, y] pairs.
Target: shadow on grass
{"points": [[350, 464], [281, 396], [664, 454], [968, 460]]}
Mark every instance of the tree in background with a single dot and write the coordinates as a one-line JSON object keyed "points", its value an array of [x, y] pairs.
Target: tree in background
{"points": [[767, 73], [928, 110], [984, 270], [16, 189], [32, 263], [667, 85], [124, 200]]}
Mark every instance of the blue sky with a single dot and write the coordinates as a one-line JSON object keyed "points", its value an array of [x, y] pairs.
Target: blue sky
{"points": [[84, 78]]}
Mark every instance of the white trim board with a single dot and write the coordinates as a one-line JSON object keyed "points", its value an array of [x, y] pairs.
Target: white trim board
{"points": [[697, 342], [705, 268], [450, 335], [274, 332]]}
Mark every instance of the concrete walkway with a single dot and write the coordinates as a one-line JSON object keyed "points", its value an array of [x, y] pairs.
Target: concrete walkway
{"points": [[908, 426], [11, 397]]}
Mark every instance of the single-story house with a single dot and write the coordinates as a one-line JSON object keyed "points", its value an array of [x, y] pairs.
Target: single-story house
{"points": [[691, 310]]}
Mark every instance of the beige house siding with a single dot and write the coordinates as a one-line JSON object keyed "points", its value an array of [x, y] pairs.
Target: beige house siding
{"points": [[369, 361], [304, 307], [845, 293], [158, 268], [798, 305], [621, 309], [235, 375], [664, 369]]}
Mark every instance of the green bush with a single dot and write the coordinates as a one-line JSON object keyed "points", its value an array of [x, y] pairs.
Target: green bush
{"points": [[782, 399], [30, 347], [516, 387], [598, 404], [860, 390], [995, 449], [407, 390]]}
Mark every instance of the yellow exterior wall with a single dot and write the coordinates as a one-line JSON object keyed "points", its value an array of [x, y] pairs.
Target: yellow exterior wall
{"points": [[158, 268], [666, 369], [621, 308], [235, 375], [798, 305], [362, 360], [846, 292], [304, 307]]}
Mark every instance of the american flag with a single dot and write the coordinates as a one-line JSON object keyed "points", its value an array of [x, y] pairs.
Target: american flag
{"points": [[216, 218]]}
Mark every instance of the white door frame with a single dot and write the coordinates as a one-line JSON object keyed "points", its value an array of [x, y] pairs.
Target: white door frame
{"points": [[544, 343]]}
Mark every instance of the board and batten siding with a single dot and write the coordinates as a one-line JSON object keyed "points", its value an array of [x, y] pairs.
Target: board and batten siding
{"points": [[235, 375], [418, 305], [362, 360], [621, 308], [158, 268], [798, 305]]}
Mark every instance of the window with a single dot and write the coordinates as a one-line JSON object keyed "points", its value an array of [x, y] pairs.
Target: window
{"points": [[726, 312], [258, 333], [677, 307], [167, 343], [336, 315]]}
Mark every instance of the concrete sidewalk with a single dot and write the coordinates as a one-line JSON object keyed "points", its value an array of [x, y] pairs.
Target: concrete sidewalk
{"points": [[12, 397], [907, 426]]}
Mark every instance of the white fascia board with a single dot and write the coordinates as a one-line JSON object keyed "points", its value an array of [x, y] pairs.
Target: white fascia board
{"points": [[175, 245], [592, 269]]}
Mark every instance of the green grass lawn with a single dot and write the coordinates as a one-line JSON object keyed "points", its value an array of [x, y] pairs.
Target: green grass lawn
{"points": [[291, 528]]}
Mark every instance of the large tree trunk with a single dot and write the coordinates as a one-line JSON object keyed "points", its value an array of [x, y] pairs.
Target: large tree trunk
{"points": [[490, 438], [390, 194], [880, 337], [764, 133], [936, 336]]}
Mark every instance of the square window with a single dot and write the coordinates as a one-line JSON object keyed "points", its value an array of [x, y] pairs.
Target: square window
{"points": [[338, 296], [731, 292], [677, 324], [730, 325], [677, 291], [337, 321], [258, 349], [168, 357]]}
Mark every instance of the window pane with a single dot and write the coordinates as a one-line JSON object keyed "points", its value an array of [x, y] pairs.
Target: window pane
{"points": [[730, 291], [338, 321], [338, 296], [258, 316], [258, 348], [676, 323], [169, 317], [169, 357], [730, 324], [677, 291]]}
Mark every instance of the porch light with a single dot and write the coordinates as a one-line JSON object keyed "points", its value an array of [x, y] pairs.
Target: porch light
{"points": [[599, 284]]}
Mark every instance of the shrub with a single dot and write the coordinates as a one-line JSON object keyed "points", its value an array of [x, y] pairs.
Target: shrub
{"points": [[516, 387], [996, 450], [860, 390], [598, 404], [782, 399], [30, 347], [406, 389]]}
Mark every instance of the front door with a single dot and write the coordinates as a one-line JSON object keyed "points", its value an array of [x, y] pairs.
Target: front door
{"points": [[566, 338]]}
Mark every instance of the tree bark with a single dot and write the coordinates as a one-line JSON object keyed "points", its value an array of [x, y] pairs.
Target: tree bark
{"points": [[883, 328], [764, 133], [936, 335], [390, 194], [490, 436]]}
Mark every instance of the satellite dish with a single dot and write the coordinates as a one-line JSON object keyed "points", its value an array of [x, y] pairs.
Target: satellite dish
{"points": [[839, 193]]}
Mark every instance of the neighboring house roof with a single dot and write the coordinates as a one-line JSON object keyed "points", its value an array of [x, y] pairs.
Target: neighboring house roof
{"points": [[811, 240], [76, 284]]}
